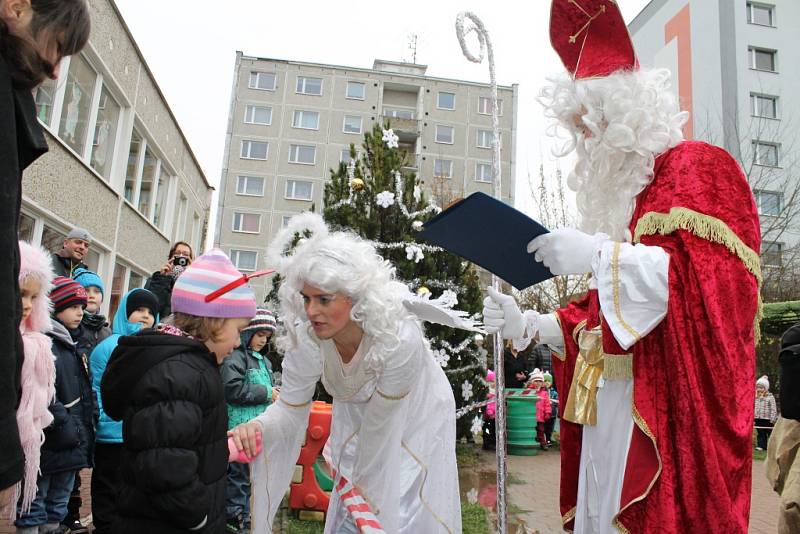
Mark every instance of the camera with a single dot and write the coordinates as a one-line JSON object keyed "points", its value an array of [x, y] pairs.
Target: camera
{"points": [[180, 261]]}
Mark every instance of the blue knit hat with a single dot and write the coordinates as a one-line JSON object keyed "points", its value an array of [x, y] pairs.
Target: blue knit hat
{"points": [[87, 278]]}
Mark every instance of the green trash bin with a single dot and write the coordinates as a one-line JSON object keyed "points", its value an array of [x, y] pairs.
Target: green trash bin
{"points": [[521, 424]]}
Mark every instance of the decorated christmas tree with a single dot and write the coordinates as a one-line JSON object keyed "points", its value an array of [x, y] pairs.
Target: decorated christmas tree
{"points": [[375, 197]]}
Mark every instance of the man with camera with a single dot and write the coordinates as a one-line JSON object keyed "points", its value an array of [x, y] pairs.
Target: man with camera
{"points": [[160, 282]]}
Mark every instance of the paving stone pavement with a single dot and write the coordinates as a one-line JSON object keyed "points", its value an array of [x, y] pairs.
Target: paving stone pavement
{"points": [[534, 491]]}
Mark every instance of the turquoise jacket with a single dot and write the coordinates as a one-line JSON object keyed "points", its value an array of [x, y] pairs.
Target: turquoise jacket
{"points": [[108, 430]]}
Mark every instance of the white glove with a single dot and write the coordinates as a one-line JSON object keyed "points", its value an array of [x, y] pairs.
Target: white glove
{"points": [[501, 314], [566, 250]]}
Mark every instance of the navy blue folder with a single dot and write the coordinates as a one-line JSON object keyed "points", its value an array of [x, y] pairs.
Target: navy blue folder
{"points": [[491, 234]]}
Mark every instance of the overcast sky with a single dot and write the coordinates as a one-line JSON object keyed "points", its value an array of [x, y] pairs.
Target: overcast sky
{"points": [[190, 46]]}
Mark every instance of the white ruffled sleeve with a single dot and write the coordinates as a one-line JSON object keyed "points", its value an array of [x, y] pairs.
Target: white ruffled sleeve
{"points": [[380, 436], [284, 425], [632, 283]]}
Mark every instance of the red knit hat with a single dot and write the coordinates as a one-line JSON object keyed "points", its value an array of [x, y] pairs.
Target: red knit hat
{"points": [[591, 38], [67, 292]]}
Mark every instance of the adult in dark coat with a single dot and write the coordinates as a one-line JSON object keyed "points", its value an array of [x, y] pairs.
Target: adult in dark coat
{"points": [[515, 368], [161, 282], [167, 391], [34, 36]]}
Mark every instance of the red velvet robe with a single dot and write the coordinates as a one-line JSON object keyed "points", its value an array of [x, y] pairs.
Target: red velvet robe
{"points": [[689, 463]]}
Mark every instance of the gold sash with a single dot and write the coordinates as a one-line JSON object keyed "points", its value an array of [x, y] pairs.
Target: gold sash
{"points": [[592, 364]]}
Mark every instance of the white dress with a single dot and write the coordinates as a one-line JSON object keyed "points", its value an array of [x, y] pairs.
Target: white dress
{"points": [[392, 434]]}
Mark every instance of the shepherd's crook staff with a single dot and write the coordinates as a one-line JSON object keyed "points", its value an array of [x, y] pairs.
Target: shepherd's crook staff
{"points": [[500, 417]]}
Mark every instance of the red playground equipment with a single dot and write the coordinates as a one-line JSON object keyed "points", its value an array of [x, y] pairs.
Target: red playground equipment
{"points": [[305, 493]]}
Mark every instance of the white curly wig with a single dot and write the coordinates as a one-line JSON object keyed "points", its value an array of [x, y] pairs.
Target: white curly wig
{"points": [[631, 117], [337, 262]]}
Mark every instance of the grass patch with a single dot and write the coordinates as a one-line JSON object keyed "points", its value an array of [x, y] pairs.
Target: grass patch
{"points": [[759, 455], [467, 455], [473, 519], [513, 509], [514, 479], [297, 526]]}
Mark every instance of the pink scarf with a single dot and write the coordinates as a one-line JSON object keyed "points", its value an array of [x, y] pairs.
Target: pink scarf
{"points": [[38, 389]]}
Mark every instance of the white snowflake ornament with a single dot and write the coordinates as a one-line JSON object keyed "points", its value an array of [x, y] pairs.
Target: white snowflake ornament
{"points": [[390, 138], [414, 252], [385, 199], [416, 226], [448, 298], [477, 426], [466, 390], [441, 357]]}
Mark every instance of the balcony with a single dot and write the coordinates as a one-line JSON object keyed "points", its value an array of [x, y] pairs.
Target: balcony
{"points": [[403, 122]]}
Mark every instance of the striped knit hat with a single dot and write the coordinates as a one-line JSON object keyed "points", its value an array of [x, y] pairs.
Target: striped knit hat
{"points": [[208, 273], [264, 320], [66, 292]]}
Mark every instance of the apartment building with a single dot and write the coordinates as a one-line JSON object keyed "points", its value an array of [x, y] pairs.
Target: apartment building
{"points": [[291, 122], [737, 69], [119, 164]]}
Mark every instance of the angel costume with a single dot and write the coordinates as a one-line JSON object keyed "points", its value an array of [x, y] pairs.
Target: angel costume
{"points": [[392, 433]]}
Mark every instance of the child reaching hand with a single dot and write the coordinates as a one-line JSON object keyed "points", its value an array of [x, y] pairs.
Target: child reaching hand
{"points": [[164, 384]]}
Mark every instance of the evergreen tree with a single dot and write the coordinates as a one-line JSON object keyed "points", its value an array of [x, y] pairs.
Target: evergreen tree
{"points": [[375, 198]]}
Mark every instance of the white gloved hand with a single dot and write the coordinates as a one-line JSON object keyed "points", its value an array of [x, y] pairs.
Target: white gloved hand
{"points": [[566, 250], [501, 314]]}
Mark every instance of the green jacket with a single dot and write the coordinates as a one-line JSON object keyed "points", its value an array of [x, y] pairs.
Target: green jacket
{"points": [[247, 380]]}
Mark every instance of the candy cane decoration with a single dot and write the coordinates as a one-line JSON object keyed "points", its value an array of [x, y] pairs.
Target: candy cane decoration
{"points": [[500, 419], [359, 509]]}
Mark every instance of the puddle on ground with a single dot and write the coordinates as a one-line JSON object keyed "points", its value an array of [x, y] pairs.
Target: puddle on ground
{"points": [[479, 486]]}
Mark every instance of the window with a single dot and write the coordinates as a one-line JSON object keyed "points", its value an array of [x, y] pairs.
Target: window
{"points": [[306, 154], [485, 105], [344, 156], [446, 100], [258, 114], [76, 109], [254, 149], [298, 190], [146, 183], [135, 280], [133, 166], [761, 14], [308, 120], [445, 134], [355, 90], [26, 227], [352, 124], [117, 288], [262, 80], [105, 134], [45, 98], [162, 188], [764, 106], [244, 260], [765, 154], [768, 202], [180, 219], [771, 253], [250, 185], [761, 59], [483, 172], [249, 223], [309, 86], [396, 113], [485, 139], [285, 220], [443, 168]]}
